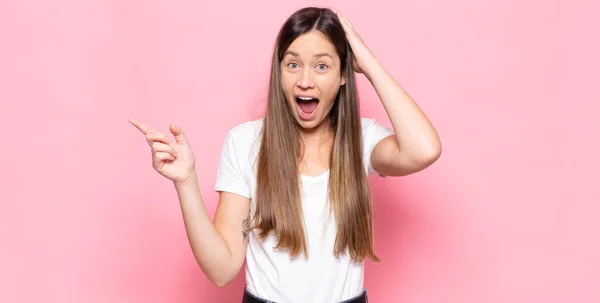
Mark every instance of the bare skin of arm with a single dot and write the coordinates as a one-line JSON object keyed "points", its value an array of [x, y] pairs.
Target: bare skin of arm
{"points": [[220, 246]]}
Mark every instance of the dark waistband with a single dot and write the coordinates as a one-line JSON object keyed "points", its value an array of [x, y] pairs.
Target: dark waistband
{"points": [[250, 298]]}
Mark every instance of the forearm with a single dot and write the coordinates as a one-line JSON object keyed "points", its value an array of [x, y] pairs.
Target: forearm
{"points": [[414, 132], [210, 249]]}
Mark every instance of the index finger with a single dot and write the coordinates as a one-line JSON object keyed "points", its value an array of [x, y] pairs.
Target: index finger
{"points": [[141, 126], [336, 11]]}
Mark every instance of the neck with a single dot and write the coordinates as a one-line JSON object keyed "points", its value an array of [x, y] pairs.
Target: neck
{"points": [[318, 135], [316, 145]]}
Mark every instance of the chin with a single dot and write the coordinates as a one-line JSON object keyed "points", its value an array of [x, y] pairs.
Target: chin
{"points": [[309, 124]]}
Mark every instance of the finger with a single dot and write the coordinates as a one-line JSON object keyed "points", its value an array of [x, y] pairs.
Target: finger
{"points": [[178, 133], [157, 137], [345, 26], [145, 129], [159, 157], [347, 22], [161, 147], [338, 13]]}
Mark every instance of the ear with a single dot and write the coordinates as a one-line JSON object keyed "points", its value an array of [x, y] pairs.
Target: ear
{"points": [[343, 79]]}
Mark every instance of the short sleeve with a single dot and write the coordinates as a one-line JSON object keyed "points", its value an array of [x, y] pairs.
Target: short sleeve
{"points": [[373, 132], [230, 171]]}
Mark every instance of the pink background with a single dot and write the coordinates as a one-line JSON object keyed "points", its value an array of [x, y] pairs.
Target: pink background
{"points": [[508, 214]]}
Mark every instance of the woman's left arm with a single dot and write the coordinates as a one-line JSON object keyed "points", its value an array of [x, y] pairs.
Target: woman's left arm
{"points": [[416, 145]]}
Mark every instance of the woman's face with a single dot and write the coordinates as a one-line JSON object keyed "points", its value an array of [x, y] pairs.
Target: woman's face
{"points": [[311, 78]]}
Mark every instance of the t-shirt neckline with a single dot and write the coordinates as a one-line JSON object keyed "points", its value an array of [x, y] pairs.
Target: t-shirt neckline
{"points": [[322, 175]]}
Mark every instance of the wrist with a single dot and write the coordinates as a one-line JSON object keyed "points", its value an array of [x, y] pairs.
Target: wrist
{"points": [[373, 69], [191, 179]]}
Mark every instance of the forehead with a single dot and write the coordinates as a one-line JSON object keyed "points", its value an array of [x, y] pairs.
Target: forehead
{"points": [[312, 43]]}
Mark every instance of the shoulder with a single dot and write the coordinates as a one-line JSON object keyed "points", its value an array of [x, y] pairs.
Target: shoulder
{"points": [[242, 142], [371, 127], [246, 132], [367, 123], [246, 128], [373, 131]]}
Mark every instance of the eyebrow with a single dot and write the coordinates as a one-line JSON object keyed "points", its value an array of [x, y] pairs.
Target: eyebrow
{"points": [[316, 55]]}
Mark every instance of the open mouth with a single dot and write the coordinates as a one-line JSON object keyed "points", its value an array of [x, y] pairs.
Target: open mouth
{"points": [[307, 106]]}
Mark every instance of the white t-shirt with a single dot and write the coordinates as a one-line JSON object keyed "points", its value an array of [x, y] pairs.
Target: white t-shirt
{"points": [[272, 274]]}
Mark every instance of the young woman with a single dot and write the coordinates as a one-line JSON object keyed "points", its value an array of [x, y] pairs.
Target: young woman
{"points": [[294, 198]]}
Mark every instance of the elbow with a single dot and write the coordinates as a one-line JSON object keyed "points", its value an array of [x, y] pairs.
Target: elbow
{"points": [[432, 152], [427, 152], [221, 277], [221, 281], [217, 273], [427, 157]]}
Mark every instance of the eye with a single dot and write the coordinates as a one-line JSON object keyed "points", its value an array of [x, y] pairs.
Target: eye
{"points": [[322, 66], [292, 65]]}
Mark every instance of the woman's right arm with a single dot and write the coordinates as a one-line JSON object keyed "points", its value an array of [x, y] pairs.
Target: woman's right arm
{"points": [[219, 247]]}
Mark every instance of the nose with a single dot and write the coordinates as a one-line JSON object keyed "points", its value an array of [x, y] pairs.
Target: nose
{"points": [[306, 80]]}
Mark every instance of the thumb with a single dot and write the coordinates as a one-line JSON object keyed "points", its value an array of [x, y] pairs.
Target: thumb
{"points": [[177, 133]]}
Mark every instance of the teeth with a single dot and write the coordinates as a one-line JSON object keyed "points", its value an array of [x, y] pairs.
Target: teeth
{"points": [[305, 98]]}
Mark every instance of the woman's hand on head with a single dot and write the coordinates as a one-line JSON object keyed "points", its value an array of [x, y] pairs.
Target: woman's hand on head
{"points": [[363, 57], [174, 160]]}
